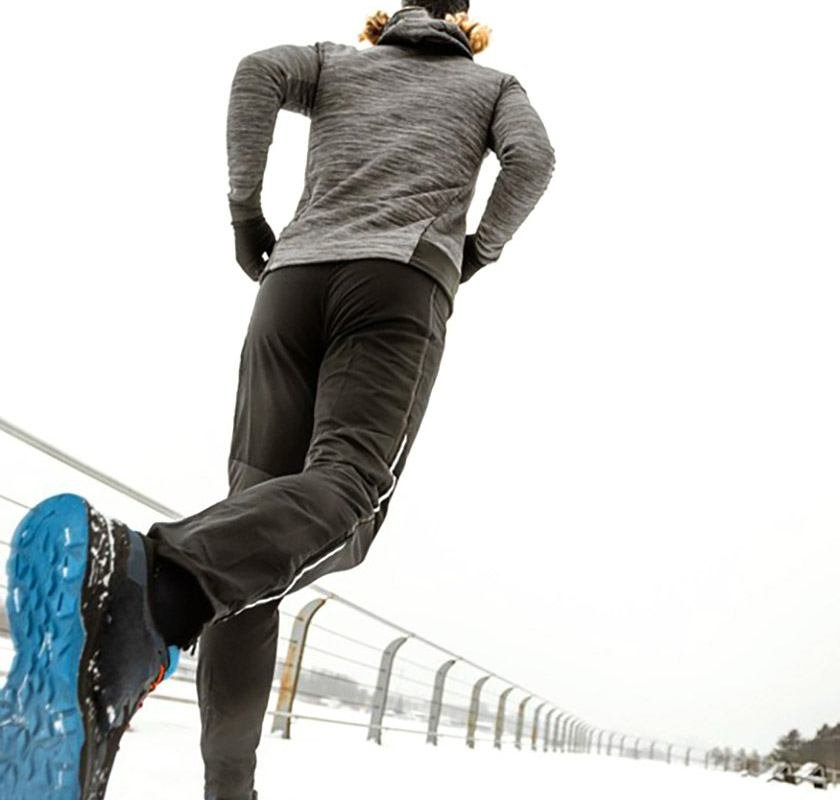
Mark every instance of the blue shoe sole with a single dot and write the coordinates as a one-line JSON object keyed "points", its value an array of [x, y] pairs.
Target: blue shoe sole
{"points": [[64, 561], [41, 725]]}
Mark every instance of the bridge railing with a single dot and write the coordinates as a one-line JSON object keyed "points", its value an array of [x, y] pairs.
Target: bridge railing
{"points": [[342, 664]]}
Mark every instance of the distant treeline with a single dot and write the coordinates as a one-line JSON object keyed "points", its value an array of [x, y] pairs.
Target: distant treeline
{"points": [[823, 748], [737, 760]]}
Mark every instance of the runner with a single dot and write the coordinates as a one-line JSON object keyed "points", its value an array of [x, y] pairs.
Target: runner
{"points": [[337, 366]]}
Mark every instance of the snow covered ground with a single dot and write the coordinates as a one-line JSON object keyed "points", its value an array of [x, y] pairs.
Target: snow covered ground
{"points": [[160, 757]]}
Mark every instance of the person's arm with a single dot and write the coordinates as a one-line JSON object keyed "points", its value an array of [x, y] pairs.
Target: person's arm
{"points": [[519, 139], [285, 76]]}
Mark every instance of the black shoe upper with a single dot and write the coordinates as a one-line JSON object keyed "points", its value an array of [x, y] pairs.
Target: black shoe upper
{"points": [[124, 655]]}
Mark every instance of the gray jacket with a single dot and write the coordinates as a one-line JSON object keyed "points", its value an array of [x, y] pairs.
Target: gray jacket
{"points": [[398, 134]]}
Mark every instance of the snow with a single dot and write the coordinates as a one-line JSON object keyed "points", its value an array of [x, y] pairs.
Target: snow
{"points": [[330, 761], [334, 760]]}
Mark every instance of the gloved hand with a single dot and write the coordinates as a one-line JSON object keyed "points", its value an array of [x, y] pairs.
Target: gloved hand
{"points": [[471, 262], [254, 238]]}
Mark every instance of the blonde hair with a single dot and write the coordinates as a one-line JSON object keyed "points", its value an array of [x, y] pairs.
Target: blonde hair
{"points": [[477, 34]]}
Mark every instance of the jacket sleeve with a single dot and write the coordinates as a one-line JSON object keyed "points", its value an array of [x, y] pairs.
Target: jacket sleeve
{"points": [[519, 139], [285, 76]]}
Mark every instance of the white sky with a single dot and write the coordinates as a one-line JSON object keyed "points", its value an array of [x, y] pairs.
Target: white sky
{"points": [[625, 490]]}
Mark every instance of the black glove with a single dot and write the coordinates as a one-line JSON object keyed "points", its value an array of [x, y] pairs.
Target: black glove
{"points": [[254, 238], [471, 262]]}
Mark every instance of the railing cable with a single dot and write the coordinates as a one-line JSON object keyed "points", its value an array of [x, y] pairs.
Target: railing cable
{"points": [[66, 458]]}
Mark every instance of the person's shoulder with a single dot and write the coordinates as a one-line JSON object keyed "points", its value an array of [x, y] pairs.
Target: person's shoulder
{"points": [[330, 48], [507, 83], [488, 76], [491, 72]]}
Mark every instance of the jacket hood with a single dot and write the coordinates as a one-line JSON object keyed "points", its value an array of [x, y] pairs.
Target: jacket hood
{"points": [[413, 26]]}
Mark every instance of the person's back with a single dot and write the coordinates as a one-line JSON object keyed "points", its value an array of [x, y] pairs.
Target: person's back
{"points": [[398, 135]]}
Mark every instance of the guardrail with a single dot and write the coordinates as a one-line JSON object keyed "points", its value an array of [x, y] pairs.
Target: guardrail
{"points": [[436, 693]]}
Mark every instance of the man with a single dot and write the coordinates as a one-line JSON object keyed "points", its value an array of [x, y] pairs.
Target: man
{"points": [[339, 359]]}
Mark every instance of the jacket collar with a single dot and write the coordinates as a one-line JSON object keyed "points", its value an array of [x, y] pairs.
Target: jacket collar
{"points": [[413, 26]]}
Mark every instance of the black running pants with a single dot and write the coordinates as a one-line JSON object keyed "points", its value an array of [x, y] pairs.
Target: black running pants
{"points": [[335, 374]]}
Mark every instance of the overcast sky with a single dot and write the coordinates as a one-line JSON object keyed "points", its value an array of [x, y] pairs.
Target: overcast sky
{"points": [[624, 493]]}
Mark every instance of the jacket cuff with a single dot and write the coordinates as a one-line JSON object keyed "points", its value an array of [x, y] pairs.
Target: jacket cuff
{"points": [[239, 212]]}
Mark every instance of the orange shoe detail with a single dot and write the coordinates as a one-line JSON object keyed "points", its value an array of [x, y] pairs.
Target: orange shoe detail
{"points": [[158, 678]]}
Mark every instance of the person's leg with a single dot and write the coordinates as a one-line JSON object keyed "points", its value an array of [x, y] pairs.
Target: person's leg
{"points": [[384, 326], [272, 426]]}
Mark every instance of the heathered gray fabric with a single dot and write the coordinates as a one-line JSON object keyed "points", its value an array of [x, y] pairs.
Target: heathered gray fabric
{"points": [[398, 134]]}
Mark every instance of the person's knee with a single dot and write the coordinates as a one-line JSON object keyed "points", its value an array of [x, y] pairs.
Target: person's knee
{"points": [[242, 476], [360, 484]]}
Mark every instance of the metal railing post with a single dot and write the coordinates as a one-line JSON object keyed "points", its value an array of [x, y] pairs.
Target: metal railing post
{"points": [[609, 743], [291, 669], [500, 718], [555, 743], [547, 732], [572, 738], [380, 697], [621, 746], [600, 737], [564, 731], [652, 754], [590, 740], [576, 739], [520, 721], [670, 750], [688, 757], [536, 724], [475, 701], [437, 701]]}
